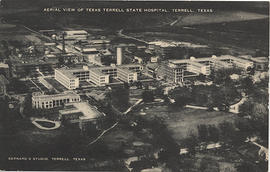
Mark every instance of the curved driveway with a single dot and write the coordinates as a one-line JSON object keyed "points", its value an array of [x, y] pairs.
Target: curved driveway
{"points": [[57, 124]]}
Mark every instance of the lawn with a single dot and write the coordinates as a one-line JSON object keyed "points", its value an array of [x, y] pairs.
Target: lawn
{"points": [[56, 84], [181, 122], [46, 124]]}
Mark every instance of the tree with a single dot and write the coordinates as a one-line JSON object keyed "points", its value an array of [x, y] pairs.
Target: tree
{"points": [[213, 133], [245, 167], [202, 132], [120, 98], [201, 77], [191, 143], [247, 85], [147, 96], [209, 165], [226, 130]]}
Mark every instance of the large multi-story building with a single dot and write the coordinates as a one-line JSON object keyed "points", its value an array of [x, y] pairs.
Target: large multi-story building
{"points": [[177, 70], [71, 78], [66, 78], [126, 75], [41, 101], [98, 77]]}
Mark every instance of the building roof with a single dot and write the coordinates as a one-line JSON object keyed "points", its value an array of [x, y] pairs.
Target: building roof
{"points": [[44, 96], [97, 71], [260, 59], [75, 32], [69, 72], [3, 65], [126, 70], [88, 111]]}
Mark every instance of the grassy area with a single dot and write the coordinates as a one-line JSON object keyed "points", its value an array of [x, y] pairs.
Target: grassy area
{"points": [[182, 122], [56, 84], [46, 124]]}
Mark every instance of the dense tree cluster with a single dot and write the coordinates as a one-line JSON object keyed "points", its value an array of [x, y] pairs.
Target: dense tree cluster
{"points": [[120, 98]]}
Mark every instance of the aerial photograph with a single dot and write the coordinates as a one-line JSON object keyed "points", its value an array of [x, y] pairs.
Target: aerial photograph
{"points": [[134, 86]]}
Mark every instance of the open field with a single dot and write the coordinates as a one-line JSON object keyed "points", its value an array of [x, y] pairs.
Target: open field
{"points": [[182, 122]]}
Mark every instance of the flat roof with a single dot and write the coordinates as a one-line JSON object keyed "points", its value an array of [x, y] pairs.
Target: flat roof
{"points": [[179, 61], [260, 59], [75, 31], [125, 70], [131, 65], [3, 65], [97, 71], [40, 96], [213, 58], [88, 111], [69, 72]]}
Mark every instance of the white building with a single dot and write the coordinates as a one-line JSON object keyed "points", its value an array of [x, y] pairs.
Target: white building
{"points": [[119, 56], [99, 78], [66, 79], [75, 34], [178, 70], [41, 101], [70, 78], [126, 75]]}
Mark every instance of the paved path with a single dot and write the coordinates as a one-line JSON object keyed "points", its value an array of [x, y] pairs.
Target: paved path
{"points": [[120, 33], [196, 107], [105, 131], [234, 108], [129, 109], [115, 124], [57, 124]]}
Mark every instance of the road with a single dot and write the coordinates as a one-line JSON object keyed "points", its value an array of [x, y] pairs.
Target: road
{"points": [[120, 33], [115, 124], [57, 124]]}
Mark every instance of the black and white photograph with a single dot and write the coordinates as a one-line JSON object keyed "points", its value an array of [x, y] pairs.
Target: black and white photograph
{"points": [[134, 86]]}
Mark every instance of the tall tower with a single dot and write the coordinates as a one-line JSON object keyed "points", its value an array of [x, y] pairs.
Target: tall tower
{"points": [[63, 42], [119, 55]]}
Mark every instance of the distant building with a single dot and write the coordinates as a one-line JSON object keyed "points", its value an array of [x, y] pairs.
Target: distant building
{"points": [[29, 67], [86, 50], [177, 70], [41, 101], [260, 63], [75, 35], [154, 59]]}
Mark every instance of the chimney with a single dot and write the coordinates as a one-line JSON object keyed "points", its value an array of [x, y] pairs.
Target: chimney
{"points": [[119, 55], [63, 43]]}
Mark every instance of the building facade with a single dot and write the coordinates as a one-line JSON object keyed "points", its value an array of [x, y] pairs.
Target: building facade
{"points": [[126, 75], [177, 70], [66, 79], [41, 101], [101, 76], [98, 77]]}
